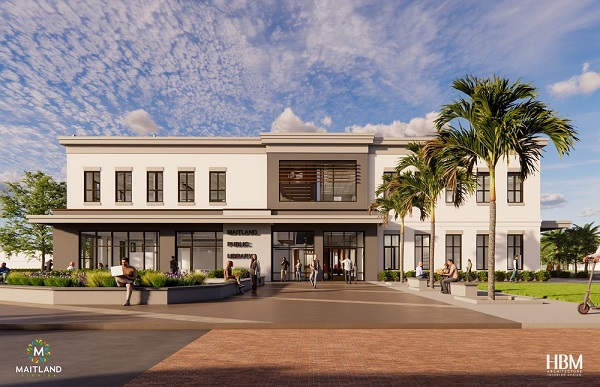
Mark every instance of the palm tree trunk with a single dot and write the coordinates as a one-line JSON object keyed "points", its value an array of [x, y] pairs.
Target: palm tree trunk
{"points": [[492, 238], [402, 251], [432, 250]]}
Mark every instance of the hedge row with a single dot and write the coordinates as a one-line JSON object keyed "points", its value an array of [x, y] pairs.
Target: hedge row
{"points": [[481, 275]]}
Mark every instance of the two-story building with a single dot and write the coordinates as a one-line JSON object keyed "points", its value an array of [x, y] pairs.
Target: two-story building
{"points": [[294, 195]]}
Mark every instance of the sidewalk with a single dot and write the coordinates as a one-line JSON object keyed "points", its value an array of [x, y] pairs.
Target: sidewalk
{"points": [[293, 335]]}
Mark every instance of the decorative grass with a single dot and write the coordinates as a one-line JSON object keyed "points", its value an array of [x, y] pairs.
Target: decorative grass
{"points": [[573, 292], [100, 278]]}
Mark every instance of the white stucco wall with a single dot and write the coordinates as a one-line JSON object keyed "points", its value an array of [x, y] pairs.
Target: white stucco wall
{"points": [[246, 179]]}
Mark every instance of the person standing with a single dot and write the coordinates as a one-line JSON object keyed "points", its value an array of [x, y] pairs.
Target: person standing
{"points": [[515, 272], [127, 279], [285, 264], [469, 267], [298, 271], [451, 276], [314, 271], [174, 265], [254, 272], [347, 264]]}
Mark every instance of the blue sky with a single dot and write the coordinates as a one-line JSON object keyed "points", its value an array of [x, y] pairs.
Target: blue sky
{"points": [[238, 68]]}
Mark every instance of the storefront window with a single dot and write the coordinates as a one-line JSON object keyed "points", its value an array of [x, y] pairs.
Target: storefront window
{"points": [[199, 251], [108, 248]]}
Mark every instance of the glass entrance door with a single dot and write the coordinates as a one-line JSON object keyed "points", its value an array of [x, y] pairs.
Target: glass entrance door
{"points": [[333, 269], [338, 246]]}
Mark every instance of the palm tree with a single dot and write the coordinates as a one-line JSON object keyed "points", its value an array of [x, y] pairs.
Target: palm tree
{"points": [[424, 181], [400, 203], [504, 119]]}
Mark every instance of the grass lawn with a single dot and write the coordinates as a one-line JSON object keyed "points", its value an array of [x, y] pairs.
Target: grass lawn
{"points": [[552, 291]]}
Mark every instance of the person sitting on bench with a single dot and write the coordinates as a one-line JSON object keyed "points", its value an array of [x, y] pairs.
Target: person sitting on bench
{"points": [[420, 273], [451, 276]]}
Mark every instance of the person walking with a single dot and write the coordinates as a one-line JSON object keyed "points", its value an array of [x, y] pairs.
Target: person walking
{"points": [[298, 271], [174, 265], [347, 264], [254, 272], [515, 272], [469, 267], [314, 274], [285, 264]]}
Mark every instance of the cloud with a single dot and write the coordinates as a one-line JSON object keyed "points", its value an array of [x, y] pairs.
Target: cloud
{"points": [[9, 176], [140, 122], [416, 127], [553, 200], [586, 83], [589, 212], [327, 121], [290, 122]]}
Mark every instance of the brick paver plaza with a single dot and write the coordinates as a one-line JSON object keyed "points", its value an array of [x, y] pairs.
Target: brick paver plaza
{"points": [[360, 334]]}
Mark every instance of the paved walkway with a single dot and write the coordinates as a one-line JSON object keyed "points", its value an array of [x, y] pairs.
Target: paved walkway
{"points": [[292, 334]]}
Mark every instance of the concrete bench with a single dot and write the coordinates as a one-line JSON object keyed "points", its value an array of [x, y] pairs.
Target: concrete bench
{"points": [[464, 289], [417, 283]]}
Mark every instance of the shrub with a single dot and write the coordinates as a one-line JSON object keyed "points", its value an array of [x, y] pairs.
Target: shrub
{"points": [[527, 275], [482, 275], [241, 272], [21, 278], [389, 275], [500, 276], [410, 274], [58, 281], [36, 281], [187, 279], [216, 273], [155, 279], [100, 278], [543, 275], [563, 274], [581, 274]]}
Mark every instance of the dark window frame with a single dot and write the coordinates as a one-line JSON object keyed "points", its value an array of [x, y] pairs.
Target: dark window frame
{"points": [[154, 186], [514, 195], [481, 251], [219, 191], [91, 194], [422, 250], [391, 244], [482, 193], [121, 194], [514, 246], [186, 192], [451, 247]]}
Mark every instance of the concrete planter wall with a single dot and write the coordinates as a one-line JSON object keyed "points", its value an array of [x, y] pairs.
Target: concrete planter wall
{"points": [[214, 289]]}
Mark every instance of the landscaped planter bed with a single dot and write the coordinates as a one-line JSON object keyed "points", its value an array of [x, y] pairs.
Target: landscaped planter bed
{"points": [[213, 290]]}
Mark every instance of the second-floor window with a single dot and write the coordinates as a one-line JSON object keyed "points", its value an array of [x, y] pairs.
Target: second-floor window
{"points": [[483, 187], [123, 186], [217, 186], [318, 181], [155, 186], [91, 186], [186, 186], [514, 188]]}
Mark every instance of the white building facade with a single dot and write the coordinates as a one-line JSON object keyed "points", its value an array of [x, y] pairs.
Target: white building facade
{"points": [[293, 195]]}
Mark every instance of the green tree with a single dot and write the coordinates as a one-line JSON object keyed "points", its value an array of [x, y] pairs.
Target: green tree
{"points": [[503, 119], [568, 246], [424, 180], [35, 194], [401, 202]]}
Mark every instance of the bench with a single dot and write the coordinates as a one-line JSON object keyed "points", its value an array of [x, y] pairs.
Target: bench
{"points": [[417, 283], [464, 289]]}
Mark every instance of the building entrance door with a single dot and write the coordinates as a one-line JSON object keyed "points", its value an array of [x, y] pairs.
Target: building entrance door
{"points": [[333, 269]]}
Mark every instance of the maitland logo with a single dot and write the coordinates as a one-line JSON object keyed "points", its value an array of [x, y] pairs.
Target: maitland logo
{"points": [[561, 364], [38, 352]]}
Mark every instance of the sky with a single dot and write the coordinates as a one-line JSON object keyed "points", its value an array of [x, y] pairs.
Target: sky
{"points": [[239, 68]]}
